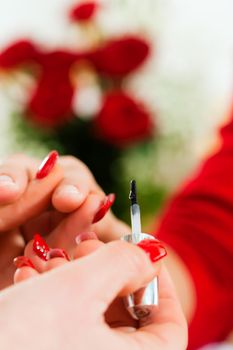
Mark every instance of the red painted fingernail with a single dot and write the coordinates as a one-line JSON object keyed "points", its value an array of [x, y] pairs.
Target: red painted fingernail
{"points": [[47, 165], [85, 236], [153, 248], [58, 253], [21, 261], [40, 247], [108, 202]]}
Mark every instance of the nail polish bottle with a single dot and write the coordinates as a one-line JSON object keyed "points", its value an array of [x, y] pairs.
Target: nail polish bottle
{"points": [[140, 303]]}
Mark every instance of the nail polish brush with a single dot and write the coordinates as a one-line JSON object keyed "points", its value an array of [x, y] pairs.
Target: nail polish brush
{"points": [[140, 303], [134, 209]]}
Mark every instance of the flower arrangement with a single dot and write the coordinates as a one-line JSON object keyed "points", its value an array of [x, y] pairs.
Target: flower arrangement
{"points": [[77, 100]]}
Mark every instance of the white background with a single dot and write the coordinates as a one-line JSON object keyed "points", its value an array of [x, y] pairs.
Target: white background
{"points": [[193, 65]]}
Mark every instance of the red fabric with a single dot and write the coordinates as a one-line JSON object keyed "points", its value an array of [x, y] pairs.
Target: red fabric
{"points": [[198, 225]]}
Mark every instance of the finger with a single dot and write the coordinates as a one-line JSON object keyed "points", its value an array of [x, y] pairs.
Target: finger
{"points": [[166, 324], [63, 236], [24, 273], [15, 173], [52, 258], [117, 268], [25, 269], [45, 222], [34, 200], [87, 243], [74, 189], [68, 196], [126, 329], [117, 316], [55, 262], [56, 257], [37, 260], [85, 247], [12, 245], [110, 228]]}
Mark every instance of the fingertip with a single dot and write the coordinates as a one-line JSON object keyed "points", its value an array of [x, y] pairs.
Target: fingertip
{"points": [[78, 221], [34, 200], [15, 172], [24, 273], [58, 253], [47, 165], [67, 198], [87, 247], [153, 248], [55, 256], [55, 262], [9, 189], [37, 261]]}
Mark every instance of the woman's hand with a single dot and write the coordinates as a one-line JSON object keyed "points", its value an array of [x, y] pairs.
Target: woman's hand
{"points": [[29, 205], [65, 308]]}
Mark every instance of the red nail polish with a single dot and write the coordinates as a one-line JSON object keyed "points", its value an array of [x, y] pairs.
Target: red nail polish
{"points": [[47, 165], [153, 248], [21, 261], [58, 253], [40, 247], [108, 202], [85, 236]]}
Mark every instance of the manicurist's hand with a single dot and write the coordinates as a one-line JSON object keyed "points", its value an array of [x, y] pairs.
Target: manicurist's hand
{"points": [[65, 308]]}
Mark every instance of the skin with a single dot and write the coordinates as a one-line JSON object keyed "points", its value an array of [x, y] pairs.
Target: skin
{"points": [[34, 214], [70, 301], [69, 210]]}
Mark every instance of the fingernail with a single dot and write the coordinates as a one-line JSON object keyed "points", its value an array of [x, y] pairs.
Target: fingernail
{"points": [[40, 247], [85, 236], [47, 165], [58, 253], [7, 181], [153, 248], [21, 261], [108, 202]]}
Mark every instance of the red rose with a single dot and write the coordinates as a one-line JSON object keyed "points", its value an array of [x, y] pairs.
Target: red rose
{"points": [[58, 61], [120, 56], [122, 120], [18, 53], [50, 105], [83, 12]]}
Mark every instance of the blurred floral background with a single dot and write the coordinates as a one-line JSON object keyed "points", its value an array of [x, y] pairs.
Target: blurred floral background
{"points": [[135, 89]]}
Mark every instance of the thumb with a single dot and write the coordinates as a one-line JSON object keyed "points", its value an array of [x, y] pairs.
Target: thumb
{"points": [[33, 201]]}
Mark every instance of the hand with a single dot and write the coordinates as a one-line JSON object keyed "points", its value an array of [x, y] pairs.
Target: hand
{"points": [[65, 307], [26, 205], [33, 263]]}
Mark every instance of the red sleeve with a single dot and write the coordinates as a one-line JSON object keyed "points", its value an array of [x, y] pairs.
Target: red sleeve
{"points": [[198, 225]]}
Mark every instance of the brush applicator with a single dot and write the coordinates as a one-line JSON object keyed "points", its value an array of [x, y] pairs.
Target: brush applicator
{"points": [[140, 303]]}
